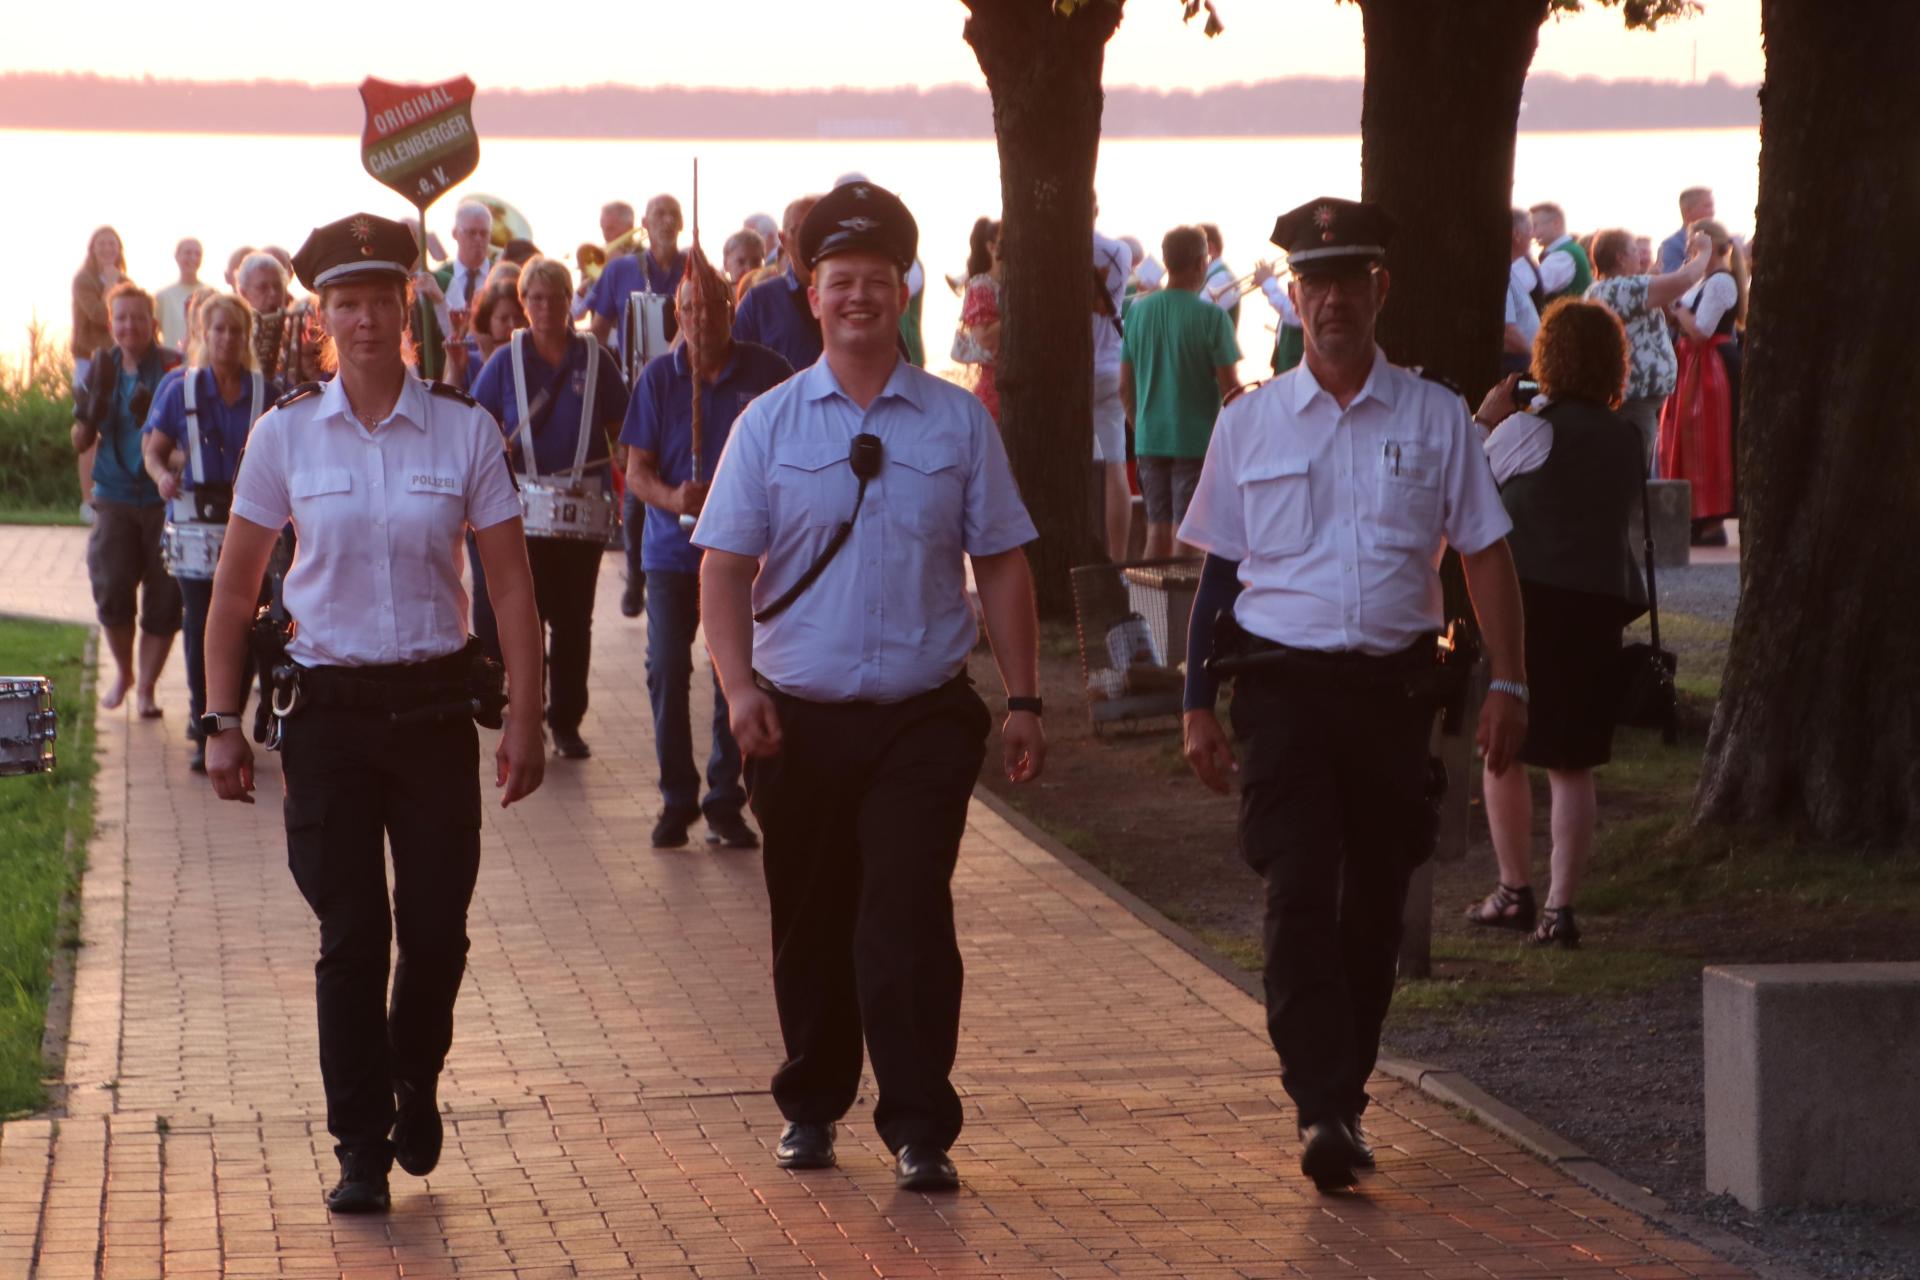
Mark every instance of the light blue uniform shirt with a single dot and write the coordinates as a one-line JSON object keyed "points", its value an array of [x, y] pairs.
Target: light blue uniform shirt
{"points": [[890, 616]]}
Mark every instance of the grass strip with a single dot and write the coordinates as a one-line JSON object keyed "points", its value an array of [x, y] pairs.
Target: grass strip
{"points": [[45, 820]]}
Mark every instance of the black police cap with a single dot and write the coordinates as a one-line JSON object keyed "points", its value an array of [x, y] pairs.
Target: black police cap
{"points": [[859, 217], [1330, 234], [362, 247]]}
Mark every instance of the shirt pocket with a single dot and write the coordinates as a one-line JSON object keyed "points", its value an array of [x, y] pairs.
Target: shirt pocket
{"points": [[321, 489], [928, 489], [805, 488], [1407, 496], [1278, 510]]}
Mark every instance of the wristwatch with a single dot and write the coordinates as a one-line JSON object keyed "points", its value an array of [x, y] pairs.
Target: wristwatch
{"points": [[1023, 704], [214, 724]]}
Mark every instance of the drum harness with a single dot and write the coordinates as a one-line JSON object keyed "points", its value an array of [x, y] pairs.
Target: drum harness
{"points": [[196, 465], [551, 397]]}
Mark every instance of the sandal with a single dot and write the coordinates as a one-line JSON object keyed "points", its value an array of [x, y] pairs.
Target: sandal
{"points": [[1505, 908], [1557, 926]]}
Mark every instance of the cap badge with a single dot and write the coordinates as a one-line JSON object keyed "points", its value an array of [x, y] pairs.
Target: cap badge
{"points": [[361, 228], [859, 223], [1323, 218], [860, 191]]}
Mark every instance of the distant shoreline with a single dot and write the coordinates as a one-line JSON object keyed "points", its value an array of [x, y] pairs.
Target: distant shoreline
{"points": [[1295, 107]]}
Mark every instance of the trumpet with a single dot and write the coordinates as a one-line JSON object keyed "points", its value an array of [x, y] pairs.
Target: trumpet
{"points": [[1244, 283], [593, 259]]}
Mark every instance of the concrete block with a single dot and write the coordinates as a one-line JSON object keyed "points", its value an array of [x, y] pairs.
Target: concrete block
{"points": [[1670, 510], [1811, 1090]]}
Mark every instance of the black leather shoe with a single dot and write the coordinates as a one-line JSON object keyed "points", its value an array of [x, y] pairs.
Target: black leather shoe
{"points": [[805, 1146], [1363, 1153], [731, 831], [417, 1133], [671, 831], [1330, 1155], [924, 1167], [570, 744], [634, 598], [363, 1184]]}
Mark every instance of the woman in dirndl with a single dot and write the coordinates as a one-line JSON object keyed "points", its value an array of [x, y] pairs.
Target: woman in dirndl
{"points": [[193, 439], [1699, 427], [1572, 478]]}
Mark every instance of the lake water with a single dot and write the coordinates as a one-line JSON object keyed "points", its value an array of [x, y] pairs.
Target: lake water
{"points": [[238, 189]]}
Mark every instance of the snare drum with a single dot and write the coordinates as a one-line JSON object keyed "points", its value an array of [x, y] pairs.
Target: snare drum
{"points": [[552, 511], [192, 550], [26, 725]]}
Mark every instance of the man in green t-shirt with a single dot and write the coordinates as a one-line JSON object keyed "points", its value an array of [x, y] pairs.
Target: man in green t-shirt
{"points": [[1176, 366]]}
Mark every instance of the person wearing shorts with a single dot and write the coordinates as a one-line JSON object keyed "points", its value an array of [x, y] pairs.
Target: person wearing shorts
{"points": [[123, 547], [1177, 364]]}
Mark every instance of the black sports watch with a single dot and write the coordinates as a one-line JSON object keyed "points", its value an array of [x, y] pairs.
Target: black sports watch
{"points": [[1024, 704], [213, 724]]}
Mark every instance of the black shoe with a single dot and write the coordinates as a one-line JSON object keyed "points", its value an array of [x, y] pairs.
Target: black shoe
{"points": [[805, 1146], [1330, 1155], [1557, 928], [197, 762], [671, 831], [924, 1167], [570, 744], [363, 1184], [1362, 1153], [730, 830], [634, 598], [417, 1132]]}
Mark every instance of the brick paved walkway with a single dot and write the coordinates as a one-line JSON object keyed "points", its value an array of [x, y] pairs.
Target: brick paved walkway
{"points": [[607, 1087]]}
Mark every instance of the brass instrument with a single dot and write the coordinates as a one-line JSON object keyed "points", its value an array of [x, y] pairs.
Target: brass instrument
{"points": [[631, 241]]}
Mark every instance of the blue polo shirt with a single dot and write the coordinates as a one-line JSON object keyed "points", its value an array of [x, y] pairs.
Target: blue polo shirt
{"points": [[223, 426], [623, 277], [775, 314], [660, 421], [556, 437]]}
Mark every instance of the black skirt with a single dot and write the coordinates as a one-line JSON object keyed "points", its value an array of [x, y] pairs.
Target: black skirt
{"points": [[1573, 643]]}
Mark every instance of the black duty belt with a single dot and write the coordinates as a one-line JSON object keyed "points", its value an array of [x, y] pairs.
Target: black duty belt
{"points": [[959, 678], [398, 687], [1254, 655]]}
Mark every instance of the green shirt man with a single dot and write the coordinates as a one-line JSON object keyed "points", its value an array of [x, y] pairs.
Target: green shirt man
{"points": [[1180, 351]]}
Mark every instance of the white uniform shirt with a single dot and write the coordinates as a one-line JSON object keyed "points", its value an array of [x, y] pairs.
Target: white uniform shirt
{"points": [[1110, 259], [380, 517], [1338, 516]]}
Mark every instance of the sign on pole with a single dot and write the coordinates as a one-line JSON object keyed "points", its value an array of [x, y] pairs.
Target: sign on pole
{"points": [[419, 138]]}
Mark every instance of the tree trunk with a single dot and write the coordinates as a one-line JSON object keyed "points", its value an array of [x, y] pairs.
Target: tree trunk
{"points": [[1043, 72], [1818, 724], [1437, 123]]}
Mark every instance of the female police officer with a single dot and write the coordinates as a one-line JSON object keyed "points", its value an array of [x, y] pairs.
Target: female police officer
{"points": [[381, 475]]}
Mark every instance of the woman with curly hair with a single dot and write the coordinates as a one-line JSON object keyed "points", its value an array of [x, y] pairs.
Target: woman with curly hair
{"points": [[1571, 474]]}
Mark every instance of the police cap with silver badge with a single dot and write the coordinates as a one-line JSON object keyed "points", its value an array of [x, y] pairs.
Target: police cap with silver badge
{"points": [[361, 247], [859, 217], [1330, 234]]}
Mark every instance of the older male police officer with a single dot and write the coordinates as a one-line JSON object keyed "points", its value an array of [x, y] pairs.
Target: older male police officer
{"points": [[851, 492], [1323, 506]]}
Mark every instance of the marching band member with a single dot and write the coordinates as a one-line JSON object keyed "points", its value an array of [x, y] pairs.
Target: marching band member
{"points": [[195, 433], [568, 391], [381, 475], [661, 439]]}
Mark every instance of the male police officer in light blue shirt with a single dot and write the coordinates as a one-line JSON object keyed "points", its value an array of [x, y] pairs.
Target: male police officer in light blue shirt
{"points": [[851, 492]]}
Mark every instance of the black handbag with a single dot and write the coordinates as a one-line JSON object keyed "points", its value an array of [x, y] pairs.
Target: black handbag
{"points": [[1644, 694]]}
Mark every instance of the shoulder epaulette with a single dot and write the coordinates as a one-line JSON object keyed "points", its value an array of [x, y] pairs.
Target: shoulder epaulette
{"points": [[1434, 375], [452, 393], [300, 392], [1244, 389]]}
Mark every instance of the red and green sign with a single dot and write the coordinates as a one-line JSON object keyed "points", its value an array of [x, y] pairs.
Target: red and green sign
{"points": [[419, 138]]}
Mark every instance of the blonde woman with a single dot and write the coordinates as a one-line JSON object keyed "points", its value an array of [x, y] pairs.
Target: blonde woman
{"points": [[1699, 425], [191, 446]]}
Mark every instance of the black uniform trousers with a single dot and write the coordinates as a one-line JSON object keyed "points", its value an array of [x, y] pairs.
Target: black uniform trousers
{"points": [[566, 577], [1335, 813], [862, 813], [355, 782]]}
